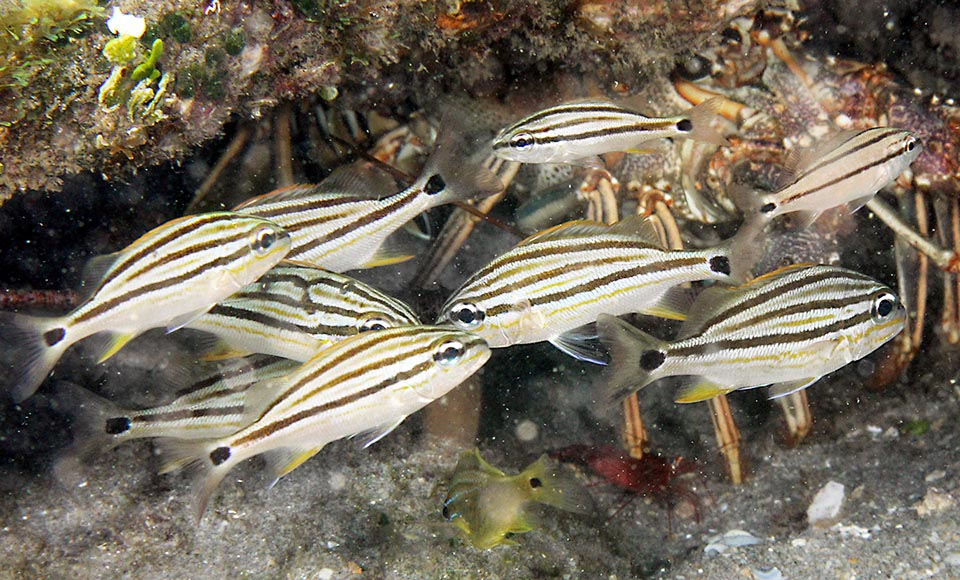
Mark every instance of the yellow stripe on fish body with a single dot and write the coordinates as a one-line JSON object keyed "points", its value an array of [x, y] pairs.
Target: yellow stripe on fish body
{"points": [[788, 329], [295, 311], [563, 278], [340, 225], [367, 383], [167, 277], [578, 132]]}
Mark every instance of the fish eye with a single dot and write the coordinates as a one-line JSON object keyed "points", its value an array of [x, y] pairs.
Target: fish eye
{"points": [[446, 512], [522, 141], [466, 315], [912, 143], [449, 353], [373, 323], [884, 304], [264, 238]]}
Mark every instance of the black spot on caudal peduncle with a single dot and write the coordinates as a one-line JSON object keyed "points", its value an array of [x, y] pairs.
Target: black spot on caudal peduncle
{"points": [[767, 207], [651, 360], [219, 455], [686, 125], [435, 184], [117, 425], [535, 482], [720, 264], [52, 337]]}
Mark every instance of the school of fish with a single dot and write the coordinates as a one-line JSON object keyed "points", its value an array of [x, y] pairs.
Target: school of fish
{"points": [[307, 355]]}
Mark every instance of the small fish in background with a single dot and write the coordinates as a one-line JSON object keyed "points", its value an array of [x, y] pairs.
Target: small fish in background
{"points": [[490, 506], [345, 223], [366, 384], [580, 131], [846, 168], [167, 277], [554, 283], [295, 311], [786, 329]]}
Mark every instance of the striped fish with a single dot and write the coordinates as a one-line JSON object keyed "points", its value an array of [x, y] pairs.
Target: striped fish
{"points": [[786, 329], [295, 311], [340, 224], [167, 277], [213, 406], [563, 278], [367, 383], [578, 132], [848, 168]]}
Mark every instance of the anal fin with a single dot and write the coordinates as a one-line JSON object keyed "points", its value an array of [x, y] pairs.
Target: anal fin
{"points": [[783, 389]]}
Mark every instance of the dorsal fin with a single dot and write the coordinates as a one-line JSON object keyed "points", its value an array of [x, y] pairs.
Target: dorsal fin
{"points": [[800, 159], [94, 271], [633, 225]]}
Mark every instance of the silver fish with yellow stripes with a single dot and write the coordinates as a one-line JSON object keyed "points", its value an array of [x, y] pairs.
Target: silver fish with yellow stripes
{"points": [[295, 311], [561, 279], [579, 131], [786, 329], [368, 383], [847, 168], [167, 277], [213, 406], [341, 225]]}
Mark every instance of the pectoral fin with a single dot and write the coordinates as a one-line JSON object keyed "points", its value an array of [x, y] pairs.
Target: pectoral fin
{"points": [[783, 389]]}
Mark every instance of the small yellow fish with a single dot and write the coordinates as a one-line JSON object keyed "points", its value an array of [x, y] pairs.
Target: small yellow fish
{"points": [[490, 506]]}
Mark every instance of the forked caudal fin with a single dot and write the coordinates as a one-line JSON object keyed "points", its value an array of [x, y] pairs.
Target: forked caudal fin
{"points": [[450, 176], [38, 344], [207, 462], [701, 118], [634, 354]]}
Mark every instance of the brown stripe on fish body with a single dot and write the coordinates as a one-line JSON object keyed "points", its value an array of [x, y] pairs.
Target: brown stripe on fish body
{"points": [[337, 354], [595, 284], [648, 127], [283, 208], [866, 166], [250, 366], [525, 258], [393, 206], [187, 414], [153, 240], [831, 307], [685, 348], [140, 291], [278, 425], [571, 109], [783, 284], [851, 146], [566, 270], [194, 250]]}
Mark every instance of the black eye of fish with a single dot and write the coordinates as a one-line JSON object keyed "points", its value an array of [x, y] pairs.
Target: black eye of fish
{"points": [[535, 482], [446, 513], [435, 184], [883, 306], [265, 238], [449, 352], [467, 315], [911, 144], [685, 125], [374, 324], [522, 142]]}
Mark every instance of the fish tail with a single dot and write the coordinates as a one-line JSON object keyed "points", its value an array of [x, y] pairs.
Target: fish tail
{"points": [[741, 253], [452, 175], [554, 487], [97, 426], [635, 356], [206, 460], [38, 343], [702, 117]]}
